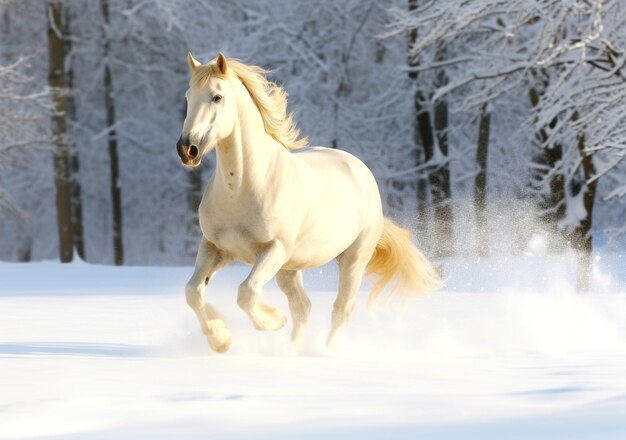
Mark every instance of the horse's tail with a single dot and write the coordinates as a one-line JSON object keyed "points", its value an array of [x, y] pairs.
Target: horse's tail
{"points": [[397, 259]]}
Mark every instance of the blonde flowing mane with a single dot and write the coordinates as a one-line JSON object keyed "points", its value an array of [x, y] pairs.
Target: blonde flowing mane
{"points": [[270, 99]]}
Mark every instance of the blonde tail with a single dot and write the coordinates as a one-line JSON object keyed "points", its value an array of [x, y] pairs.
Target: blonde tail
{"points": [[397, 258]]}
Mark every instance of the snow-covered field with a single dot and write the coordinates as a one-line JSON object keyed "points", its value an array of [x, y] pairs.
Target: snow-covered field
{"points": [[507, 350]]}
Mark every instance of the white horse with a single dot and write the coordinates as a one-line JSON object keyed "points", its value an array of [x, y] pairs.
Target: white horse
{"points": [[282, 212]]}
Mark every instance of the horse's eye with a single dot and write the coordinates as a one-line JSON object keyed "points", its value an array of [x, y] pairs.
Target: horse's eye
{"points": [[217, 98]]}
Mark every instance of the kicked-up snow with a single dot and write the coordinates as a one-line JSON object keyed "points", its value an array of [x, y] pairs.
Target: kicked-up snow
{"points": [[505, 350]]}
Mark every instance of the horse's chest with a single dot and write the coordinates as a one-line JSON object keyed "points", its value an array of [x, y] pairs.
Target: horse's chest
{"points": [[236, 242], [234, 229]]}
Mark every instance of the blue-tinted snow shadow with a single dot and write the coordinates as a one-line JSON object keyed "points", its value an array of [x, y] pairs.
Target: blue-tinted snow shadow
{"points": [[550, 391], [62, 350], [199, 396]]}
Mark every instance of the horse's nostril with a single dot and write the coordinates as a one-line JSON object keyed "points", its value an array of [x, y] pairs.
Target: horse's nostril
{"points": [[192, 152]]}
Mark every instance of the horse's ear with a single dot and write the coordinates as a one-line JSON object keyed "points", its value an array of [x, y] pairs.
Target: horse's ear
{"points": [[193, 63], [221, 63]]}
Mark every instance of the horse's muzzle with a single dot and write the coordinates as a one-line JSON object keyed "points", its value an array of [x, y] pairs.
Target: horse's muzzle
{"points": [[189, 154]]}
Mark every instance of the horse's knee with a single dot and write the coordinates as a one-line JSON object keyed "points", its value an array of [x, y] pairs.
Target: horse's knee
{"points": [[245, 296], [193, 294]]}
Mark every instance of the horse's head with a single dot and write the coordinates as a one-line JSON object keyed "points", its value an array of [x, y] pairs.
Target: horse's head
{"points": [[211, 110]]}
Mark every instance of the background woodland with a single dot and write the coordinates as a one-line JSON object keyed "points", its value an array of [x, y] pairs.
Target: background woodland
{"points": [[486, 122]]}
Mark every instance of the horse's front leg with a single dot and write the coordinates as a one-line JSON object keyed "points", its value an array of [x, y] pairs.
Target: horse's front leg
{"points": [[290, 282], [267, 265], [208, 261]]}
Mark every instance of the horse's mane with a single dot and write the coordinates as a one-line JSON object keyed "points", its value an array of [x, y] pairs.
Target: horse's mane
{"points": [[270, 99]]}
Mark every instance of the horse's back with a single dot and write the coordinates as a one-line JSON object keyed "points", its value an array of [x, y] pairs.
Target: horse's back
{"points": [[333, 164]]}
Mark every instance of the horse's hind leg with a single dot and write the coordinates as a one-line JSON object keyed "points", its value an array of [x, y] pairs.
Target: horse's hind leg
{"points": [[208, 261], [350, 276], [290, 282], [352, 263]]}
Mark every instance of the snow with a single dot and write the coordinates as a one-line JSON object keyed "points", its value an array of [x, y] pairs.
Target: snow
{"points": [[95, 352]]}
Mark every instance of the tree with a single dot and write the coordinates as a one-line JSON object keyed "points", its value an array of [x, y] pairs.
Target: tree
{"points": [[56, 80], [431, 134], [74, 160], [480, 192], [115, 182], [27, 192], [422, 133], [548, 176], [439, 175]]}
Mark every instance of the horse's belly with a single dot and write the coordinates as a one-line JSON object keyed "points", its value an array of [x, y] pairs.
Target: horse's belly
{"points": [[302, 261], [320, 246]]}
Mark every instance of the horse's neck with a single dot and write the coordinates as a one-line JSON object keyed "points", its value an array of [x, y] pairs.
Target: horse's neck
{"points": [[246, 158]]}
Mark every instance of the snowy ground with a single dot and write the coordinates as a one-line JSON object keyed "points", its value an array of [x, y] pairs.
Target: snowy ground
{"points": [[507, 350]]}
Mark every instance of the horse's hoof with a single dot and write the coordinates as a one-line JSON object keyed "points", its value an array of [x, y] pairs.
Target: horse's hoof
{"points": [[220, 348], [279, 324], [279, 320]]}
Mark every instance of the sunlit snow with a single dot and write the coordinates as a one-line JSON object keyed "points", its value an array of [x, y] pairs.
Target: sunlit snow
{"points": [[100, 352]]}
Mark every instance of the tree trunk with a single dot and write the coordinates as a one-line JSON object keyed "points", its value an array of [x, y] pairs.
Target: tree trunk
{"points": [[440, 174], [422, 135], [77, 205], [340, 92], [379, 52], [552, 204], [582, 236], [25, 250], [116, 196], [56, 81], [480, 191]]}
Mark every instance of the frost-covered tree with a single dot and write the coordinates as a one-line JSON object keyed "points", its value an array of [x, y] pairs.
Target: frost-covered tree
{"points": [[575, 49], [57, 83], [26, 185], [430, 128]]}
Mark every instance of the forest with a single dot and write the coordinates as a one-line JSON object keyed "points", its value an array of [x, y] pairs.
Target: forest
{"points": [[485, 122]]}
